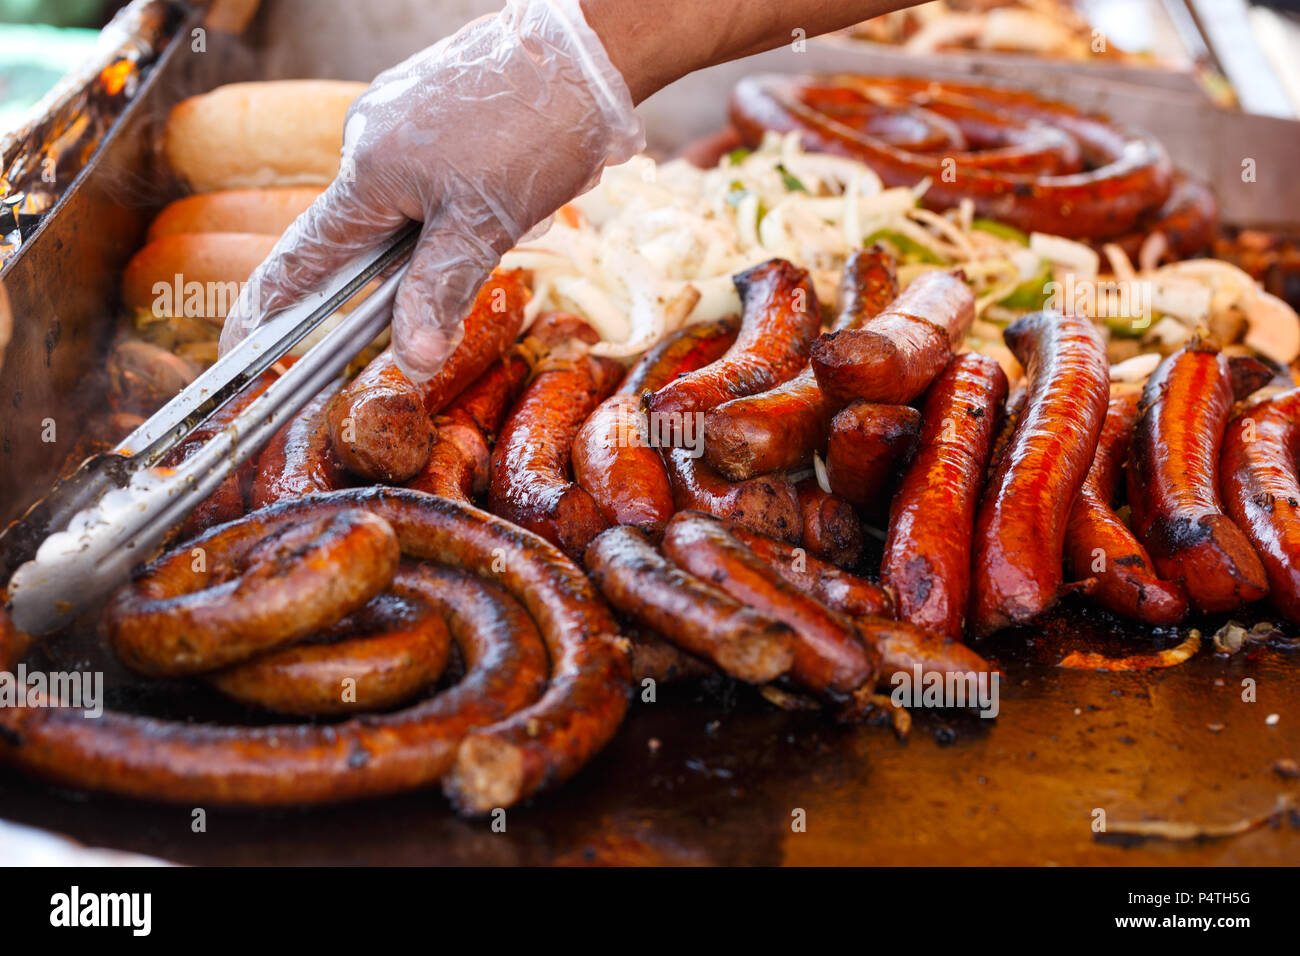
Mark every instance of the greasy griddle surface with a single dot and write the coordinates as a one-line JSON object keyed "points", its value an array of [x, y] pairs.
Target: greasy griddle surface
{"points": [[711, 774]]}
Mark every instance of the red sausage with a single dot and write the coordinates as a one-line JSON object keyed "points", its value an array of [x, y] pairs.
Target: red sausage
{"points": [[380, 424], [781, 428], [300, 460], [868, 445], [530, 470], [768, 504], [1257, 472], [1034, 187], [1021, 521], [831, 527], [615, 456], [698, 618], [894, 357], [901, 646], [927, 553], [830, 657], [1173, 482], [458, 463], [780, 317], [845, 592], [1099, 544]]}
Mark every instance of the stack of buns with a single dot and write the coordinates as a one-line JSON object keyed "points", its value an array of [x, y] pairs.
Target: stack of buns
{"points": [[256, 155]]}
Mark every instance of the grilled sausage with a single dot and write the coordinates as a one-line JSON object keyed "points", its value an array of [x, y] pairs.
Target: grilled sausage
{"points": [[459, 461], [1032, 181], [831, 528], [830, 657], [768, 504], [227, 501], [781, 428], [894, 357], [868, 445], [855, 596], [615, 453], [186, 614], [383, 655], [380, 423], [1099, 544], [1015, 407], [530, 481], [189, 763], [927, 553], [1173, 482], [687, 350], [1257, 473], [780, 317], [300, 459], [698, 618], [1021, 521], [904, 648]]}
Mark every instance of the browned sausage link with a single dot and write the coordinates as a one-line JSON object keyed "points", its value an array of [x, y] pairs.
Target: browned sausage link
{"points": [[1188, 220], [895, 356], [588, 695], [855, 596], [1020, 524], [380, 425], [781, 428], [780, 317], [830, 657], [227, 501], [902, 646], [869, 444], [831, 527], [907, 649], [458, 464], [686, 350], [1258, 478], [768, 504], [932, 517], [530, 481], [1173, 482], [203, 606], [300, 459], [381, 656], [1015, 407], [615, 461], [372, 755], [640, 583], [1100, 545], [1132, 172], [615, 456], [654, 658]]}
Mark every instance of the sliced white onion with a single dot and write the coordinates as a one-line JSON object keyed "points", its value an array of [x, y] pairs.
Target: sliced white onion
{"points": [[1074, 256]]}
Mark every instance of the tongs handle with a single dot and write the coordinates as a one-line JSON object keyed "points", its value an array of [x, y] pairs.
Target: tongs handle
{"points": [[124, 509]]}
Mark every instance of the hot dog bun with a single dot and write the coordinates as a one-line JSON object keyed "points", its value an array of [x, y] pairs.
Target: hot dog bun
{"points": [[213, 259], [284, 133], [265, 211]]}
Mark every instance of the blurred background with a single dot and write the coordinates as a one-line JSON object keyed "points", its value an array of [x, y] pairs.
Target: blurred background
{"points": [[1241, 53], [40, 40]]}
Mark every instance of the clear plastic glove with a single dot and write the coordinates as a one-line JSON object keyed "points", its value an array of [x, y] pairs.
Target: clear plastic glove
{"points": [[481, 137]]}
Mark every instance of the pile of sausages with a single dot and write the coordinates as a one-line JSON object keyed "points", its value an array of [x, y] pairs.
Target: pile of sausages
{"points": [[703, 511], [1036, 164]]}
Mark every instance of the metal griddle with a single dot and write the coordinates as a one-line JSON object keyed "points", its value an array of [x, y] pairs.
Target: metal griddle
{"points": [[709, 773]]}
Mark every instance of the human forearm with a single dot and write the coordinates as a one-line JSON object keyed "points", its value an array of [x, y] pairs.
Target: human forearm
{"points": [[653, 42]]}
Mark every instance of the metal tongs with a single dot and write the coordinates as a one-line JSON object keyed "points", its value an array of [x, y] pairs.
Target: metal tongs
{"points": [[81, 540]]}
